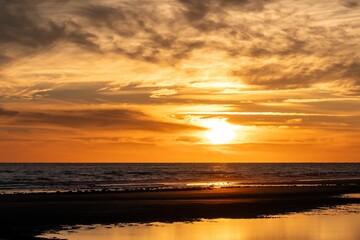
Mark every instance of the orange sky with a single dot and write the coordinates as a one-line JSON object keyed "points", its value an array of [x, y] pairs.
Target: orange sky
{"points": [[179, 81]]}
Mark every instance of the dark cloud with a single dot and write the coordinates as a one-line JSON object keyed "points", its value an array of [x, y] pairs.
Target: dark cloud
{"points": [[108, 119], [28, 24], [20, 23], [350, 3], [137, 23], [139, 30], [124, 20], [352, 71], [280, 76], [24, 26], [201, 13], [4, 59], [81, 93], [252, 5], [154, 37], [27, 27], [7, 113], [196, 10]]}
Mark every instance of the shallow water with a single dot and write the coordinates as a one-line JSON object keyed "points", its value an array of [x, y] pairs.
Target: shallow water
{"points": [[340, 223]]}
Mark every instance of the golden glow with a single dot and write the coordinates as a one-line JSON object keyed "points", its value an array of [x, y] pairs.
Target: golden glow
{"points": [[220, 131], [220, 85], [324, 224], [156, 88], [210, 184]]}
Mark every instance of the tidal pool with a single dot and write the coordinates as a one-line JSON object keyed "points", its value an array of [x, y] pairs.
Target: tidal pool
{"points": [[340, 223]]}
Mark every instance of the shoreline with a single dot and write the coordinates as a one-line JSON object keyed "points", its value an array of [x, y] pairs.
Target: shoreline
{"points": [[27, 215], [212, 184]]}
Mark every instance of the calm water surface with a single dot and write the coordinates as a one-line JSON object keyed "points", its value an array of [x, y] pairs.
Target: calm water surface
{"points": [[340, 223], [20, 178]]}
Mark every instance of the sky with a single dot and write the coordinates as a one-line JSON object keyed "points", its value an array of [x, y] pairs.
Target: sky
{"points": [[179, 81]]}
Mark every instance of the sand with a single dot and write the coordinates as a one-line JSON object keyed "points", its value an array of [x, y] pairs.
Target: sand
{"points": [[26, 215]]}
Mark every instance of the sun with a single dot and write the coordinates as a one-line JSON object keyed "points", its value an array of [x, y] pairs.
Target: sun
{"points": [[220, 131]]}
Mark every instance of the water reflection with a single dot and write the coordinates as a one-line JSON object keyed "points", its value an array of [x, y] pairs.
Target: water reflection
{"points": [[326, 224]]}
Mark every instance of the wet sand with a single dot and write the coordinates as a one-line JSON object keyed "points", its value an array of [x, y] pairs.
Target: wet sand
{"points": [[26, 215]]}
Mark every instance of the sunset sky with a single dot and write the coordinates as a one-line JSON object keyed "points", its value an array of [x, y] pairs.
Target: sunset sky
{"points": [[179, 80]]}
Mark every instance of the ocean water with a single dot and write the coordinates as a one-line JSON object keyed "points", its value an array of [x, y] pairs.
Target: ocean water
{"points": [[35, 177]]}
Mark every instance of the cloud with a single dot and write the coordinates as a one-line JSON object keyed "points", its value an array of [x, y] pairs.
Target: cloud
{"points": [[26, 29], [127, 28], [196, 10], [126, 22], [300, 74], [85, 93], [20, 23], [350, 3], [158, 32], [4, 59], [7, 113], [352, 71], [256, 44], [151, 35], [107, 119], [213, 15], [163, 93], [336, 121]]}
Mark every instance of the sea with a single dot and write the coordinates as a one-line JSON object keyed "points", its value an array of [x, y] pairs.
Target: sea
{"points": [[23, 178]]}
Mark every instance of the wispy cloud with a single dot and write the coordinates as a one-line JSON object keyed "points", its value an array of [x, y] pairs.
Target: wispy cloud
{"points": [[111, 119], [7, 113], [259, 113], [282, 56], [350, 3]]}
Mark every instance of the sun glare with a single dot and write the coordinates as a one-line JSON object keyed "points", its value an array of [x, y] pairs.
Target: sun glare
{"points": [[220, 131]]}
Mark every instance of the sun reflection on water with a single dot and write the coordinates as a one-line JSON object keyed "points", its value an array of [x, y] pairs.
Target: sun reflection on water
{"points": [[325, 224], [210, 184]]}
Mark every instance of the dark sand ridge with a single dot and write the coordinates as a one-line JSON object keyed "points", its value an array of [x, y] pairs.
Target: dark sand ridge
{"points": [[24, 216]]}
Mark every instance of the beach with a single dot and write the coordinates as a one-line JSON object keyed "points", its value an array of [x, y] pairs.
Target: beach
{"points": [[24, 216]]}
